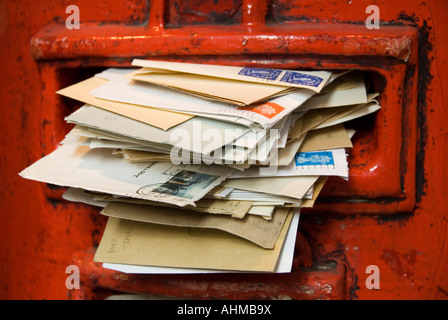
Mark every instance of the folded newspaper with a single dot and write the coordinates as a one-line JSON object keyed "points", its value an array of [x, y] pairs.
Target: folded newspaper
{"points": [[206, 167]]}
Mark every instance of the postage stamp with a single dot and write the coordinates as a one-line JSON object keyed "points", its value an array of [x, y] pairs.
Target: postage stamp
{"points": [[314, 158], [267, 109], [262, 73], [301, 78], [186, 184]]}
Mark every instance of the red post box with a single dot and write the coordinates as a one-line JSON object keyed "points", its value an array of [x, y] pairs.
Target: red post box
{"points": [[390, 215]]}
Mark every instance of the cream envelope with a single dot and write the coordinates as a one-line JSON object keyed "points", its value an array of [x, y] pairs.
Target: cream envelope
{"points": [[344, 91], [144, 156], [257, 198], [265, 114], [98, 170], [321, 118], [317, 188], [324, 117], [262, 199], [188, 135], [79, 195], [140, 243], [255, 229], [224, 90], [286, 155], [263, 211], [80, 136], [95, 138], [357, 112], [293, 187], [314, 80], [122, 75], [331, 162], [315, 117], [236, 209], [162, 119]]}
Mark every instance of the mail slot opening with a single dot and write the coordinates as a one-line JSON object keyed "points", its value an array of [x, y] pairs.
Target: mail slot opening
{"points": [[380, 146], [105, 135]]}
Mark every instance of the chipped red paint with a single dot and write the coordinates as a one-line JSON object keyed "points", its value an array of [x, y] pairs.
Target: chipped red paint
{"points": [[401, 263], [392, 213]]}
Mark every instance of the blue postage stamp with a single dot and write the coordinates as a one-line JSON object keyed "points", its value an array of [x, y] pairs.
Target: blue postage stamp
{"points": [[301, 78], [314, 158], [262, 73]]}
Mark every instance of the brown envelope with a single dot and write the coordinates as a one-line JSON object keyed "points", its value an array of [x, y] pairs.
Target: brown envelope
{"points": [[139, 243], [234, 208], [224, 90], [158, 118], [145, 156]]}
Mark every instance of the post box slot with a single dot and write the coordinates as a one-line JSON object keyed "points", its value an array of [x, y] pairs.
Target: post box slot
{"points": [[337, 191]]}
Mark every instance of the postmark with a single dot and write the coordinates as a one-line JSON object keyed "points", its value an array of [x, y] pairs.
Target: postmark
{"points": [[261, 73], [296, 77]]}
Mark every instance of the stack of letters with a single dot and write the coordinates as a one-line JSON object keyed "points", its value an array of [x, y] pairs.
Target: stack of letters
{"points": [[204, 168]]}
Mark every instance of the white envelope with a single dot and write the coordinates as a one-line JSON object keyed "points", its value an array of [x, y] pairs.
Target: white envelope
{"points": [[263, 199], [313, 80], [284, 263]]}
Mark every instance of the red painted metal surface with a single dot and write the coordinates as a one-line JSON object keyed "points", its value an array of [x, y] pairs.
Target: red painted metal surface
{"points": [[327, 283], [392, 213]]}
